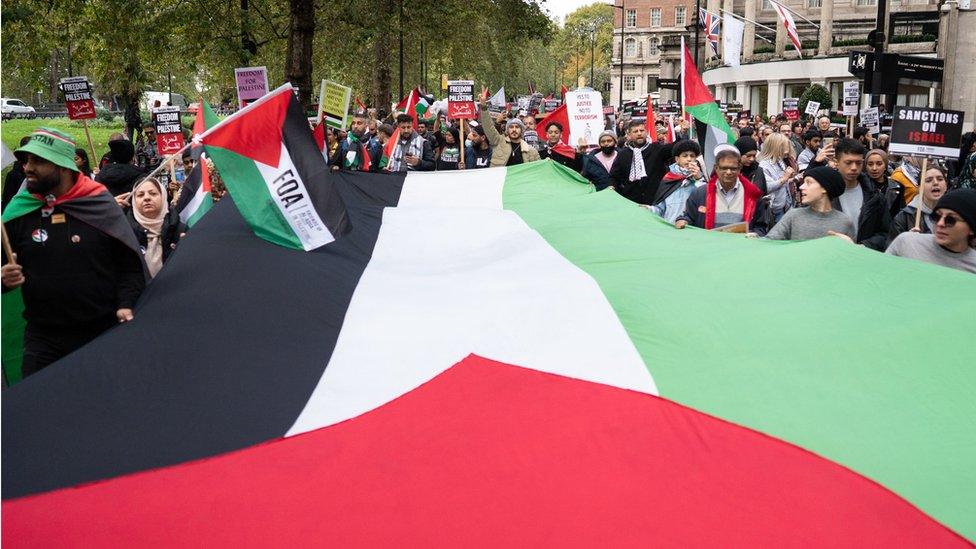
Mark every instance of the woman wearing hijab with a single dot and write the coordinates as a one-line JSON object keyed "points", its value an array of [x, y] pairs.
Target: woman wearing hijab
{"points": [[156, 228], [81, 160]]}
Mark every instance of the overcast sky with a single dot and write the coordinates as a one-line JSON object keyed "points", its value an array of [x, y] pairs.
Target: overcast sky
{"points": [[562, 8]]}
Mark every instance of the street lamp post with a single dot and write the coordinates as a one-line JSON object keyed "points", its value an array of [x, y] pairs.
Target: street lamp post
{"points": [[623, 26], [592, 51]]}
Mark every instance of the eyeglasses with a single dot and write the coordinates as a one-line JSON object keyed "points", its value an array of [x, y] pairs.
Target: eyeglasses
{"points": [[950, 219], [727, 168]]}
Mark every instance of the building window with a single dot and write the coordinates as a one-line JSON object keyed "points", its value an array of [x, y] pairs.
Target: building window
{"points": [[767, 5], [630, 83], [655, 17], [814, 3], [631, 18], [652, 47], [630, 48], [680, 14], [867, 2], [651, 83]]}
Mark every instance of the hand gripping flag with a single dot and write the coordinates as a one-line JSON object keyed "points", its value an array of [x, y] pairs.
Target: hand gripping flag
{"points": [[276, 174], [195, 199], [790, 24], [700, 104], [709, 23]]}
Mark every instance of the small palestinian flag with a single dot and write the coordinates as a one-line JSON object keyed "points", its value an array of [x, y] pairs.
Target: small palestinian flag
{"points": [[195, 198], [415, 104], [700, 104], [276, 174], [388, 149]]}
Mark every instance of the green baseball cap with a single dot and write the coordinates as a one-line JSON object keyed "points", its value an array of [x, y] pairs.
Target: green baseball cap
{"points": [[51, 145]]}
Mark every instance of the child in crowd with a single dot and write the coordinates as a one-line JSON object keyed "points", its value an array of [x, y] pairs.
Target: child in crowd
{"points": [[683, 176]]}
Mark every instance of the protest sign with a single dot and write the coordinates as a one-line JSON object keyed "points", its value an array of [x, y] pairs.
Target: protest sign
{"points": [[585, 111], [169, 131], [334, 104], [460, 99], [871, 119], [925, 132], [552, 104], [852, 97], [791, 108], [813, 107], [78, 97], [252, 84], [608, 109]]}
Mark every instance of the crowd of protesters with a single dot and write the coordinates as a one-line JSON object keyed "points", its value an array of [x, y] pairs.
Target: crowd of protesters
{"points": [[779, 180]]}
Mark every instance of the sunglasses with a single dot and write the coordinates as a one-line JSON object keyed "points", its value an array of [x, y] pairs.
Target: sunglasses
{"points": [[950, 219]]}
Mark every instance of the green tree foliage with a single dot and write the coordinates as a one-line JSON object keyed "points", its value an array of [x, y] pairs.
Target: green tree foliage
{"points": [[818, 93], [130, 46], [585, 38]]}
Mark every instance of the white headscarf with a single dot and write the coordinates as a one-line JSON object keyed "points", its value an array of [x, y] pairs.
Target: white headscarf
{"points": [[153, 226]]}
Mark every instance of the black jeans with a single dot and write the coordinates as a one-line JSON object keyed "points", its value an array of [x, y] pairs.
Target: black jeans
{"points": [[43, 345]]}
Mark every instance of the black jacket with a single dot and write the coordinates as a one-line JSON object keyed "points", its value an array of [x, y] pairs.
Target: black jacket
{"points": [[171, 230], [575, 163], [874, 219], [12, 183], [119, 178], [657, 158], [74, 273]]}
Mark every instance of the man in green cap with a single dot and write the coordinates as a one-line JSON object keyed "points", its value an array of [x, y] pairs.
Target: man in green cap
{"points": [[75, 257]]}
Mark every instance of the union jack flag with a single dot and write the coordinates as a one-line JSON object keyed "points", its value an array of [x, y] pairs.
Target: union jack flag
{"points": [[709, 23]]}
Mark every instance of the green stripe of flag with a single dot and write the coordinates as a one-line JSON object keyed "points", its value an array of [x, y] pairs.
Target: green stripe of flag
{"points": [[816, 342]]}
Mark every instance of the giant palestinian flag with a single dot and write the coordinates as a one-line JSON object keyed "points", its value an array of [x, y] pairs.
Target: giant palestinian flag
{"points": [[506, 358]]}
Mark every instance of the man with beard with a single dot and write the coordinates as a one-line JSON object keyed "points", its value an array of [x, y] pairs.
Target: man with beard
{"points": [[510, 149], [75, 257], [640, 165], [412, 152], [357, 152]]}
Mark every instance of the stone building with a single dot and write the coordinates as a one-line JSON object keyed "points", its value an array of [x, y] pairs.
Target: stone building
{"points": [[771, 68]]}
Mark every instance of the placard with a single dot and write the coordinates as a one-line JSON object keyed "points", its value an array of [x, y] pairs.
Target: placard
{"points": [[585, 111], [852, 97], [460, 99], [252, 84], [871, 119], [334, 104], [813, 107], [78, 97], [921, 131], [169, 131], [791, 108], [553, 104]]}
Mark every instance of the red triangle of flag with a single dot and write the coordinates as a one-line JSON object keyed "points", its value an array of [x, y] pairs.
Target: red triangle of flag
{"points": [[695, 92], [256, 132]]}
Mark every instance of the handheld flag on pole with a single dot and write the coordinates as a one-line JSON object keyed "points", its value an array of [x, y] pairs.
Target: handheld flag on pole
{"points": [[275, 173], [195, 198], [561, 116], [790, 24], [700, 104]]}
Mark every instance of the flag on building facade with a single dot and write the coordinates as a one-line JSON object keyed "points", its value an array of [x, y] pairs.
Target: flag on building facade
{"points": [[786, 19], [709, 24]]}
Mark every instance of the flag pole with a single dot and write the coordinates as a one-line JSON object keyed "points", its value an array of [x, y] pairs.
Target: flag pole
{"points": [[739, 17], [921, 191], [6, 244], [785, 7]]}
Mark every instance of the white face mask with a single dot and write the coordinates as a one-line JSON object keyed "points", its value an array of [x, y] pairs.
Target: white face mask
{"points": [[468, 143]]}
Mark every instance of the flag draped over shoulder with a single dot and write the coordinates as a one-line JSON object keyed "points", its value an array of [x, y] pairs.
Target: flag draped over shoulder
{"points": [[699, 103], [195, 198], [272, 166]]}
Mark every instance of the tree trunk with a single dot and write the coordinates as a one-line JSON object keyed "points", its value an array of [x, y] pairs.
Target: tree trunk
{"points": [[382, 46], [298, 63]]}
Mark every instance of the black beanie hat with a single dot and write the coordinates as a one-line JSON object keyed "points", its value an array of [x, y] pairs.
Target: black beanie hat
{"points": [[121, 151], [829, 178], [961, 201], [746, 145]]}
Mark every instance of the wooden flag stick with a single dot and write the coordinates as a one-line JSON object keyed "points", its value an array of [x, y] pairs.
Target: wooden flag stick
{"points": [[461, 137], [6, 244], [91, 146], [921, 190]]}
